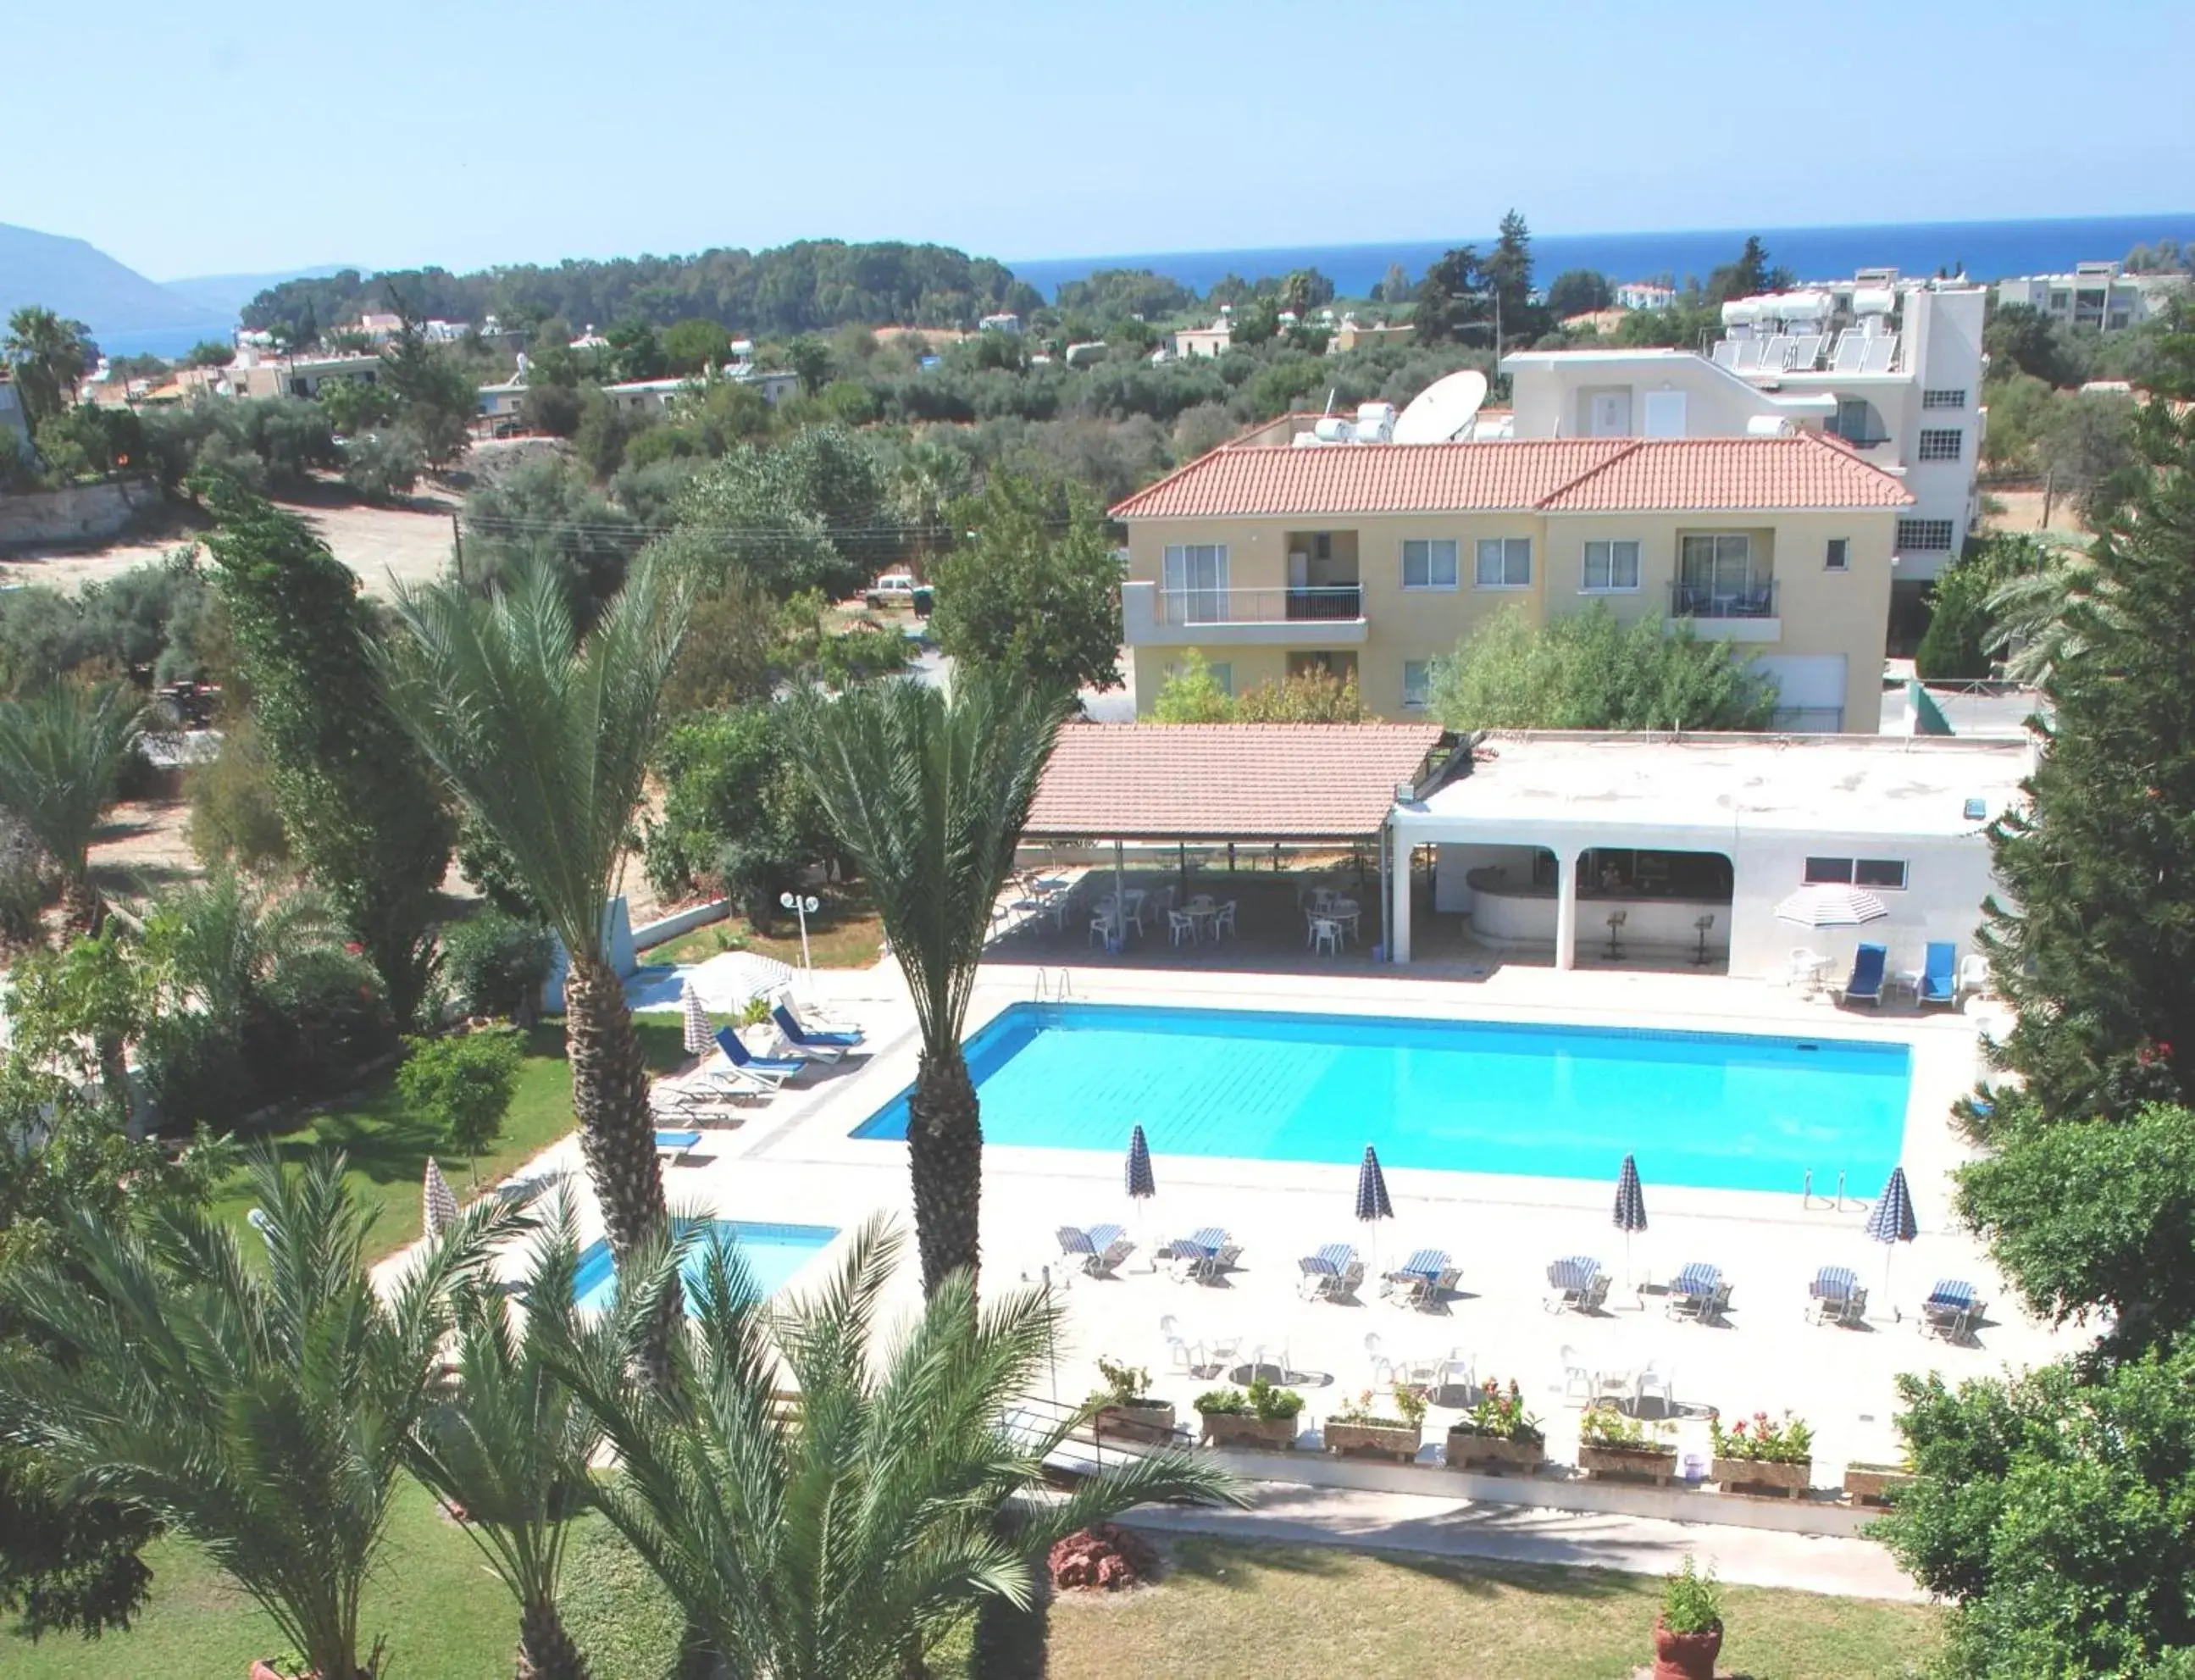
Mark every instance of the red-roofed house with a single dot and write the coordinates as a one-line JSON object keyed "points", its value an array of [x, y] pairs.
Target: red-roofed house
{"points": [[1380, 558]]}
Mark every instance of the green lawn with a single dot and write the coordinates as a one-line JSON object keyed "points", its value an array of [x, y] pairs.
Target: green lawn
{"points": [[1306, 1613], [388, 1149], [847, 936]]}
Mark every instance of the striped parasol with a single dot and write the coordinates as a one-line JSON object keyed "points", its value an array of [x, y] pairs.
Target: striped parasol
{"points": [[729, 980], [1372, 1203], [1630, 1209], [438, 1203], [1829, 905], [1891, 1221], [1141, 1187], [700, 1034]]}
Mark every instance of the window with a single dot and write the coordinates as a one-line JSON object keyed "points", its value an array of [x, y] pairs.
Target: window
{"points": [[1612, 566], [1417, 680], [1715, 565], [1944, 445], [1505, 563], [1665, 414], [1942, 399], [1321, 545], [1429, 565], [1925, 536], [1857, 424], [1840, 554], [1195, 583], [1888, 873]]}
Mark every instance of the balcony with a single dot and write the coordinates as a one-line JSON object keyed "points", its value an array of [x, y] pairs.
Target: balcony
{"points": [[1746, 611], [1327, 616]]}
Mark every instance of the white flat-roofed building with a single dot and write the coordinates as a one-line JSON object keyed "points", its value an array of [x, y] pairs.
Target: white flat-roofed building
{"points": [[1693, 842], [1645, 295], [1892, 367], [2098, 294]]}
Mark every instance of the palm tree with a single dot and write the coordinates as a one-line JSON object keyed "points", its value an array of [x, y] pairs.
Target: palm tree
{"points": [[509, 1448], [547, 741], [235, 947], [833, 1536], [48, 355], [62, 754], [261, 1410], [2041, 620], [928, 793]]}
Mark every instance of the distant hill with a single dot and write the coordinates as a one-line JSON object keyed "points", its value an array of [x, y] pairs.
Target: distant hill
{"points": [[75, 279], [228, 294]]}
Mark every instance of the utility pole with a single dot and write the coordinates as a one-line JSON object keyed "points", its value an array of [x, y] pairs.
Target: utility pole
{"points": [[457, 536]]}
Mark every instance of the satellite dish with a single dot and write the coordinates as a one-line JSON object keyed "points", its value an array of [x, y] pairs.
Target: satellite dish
{"points": [[1443, 410]]}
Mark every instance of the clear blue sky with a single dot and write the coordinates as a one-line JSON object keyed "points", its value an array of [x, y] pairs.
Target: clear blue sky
{"points": [[257, 134]]}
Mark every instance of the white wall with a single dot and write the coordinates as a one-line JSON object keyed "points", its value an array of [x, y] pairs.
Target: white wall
{"points": [[1946, 880], [1452, 863]]}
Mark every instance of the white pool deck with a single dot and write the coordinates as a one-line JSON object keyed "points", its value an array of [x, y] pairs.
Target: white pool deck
{"points": [[793, 1160]]}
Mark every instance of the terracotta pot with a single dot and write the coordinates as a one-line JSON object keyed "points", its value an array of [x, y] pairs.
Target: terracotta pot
{"points": [[1494, 1454], [261, 1670], [1870, 1484], [1240, 1428], [1627, 1464], [1752, 1475], [1144, 1420], [1686, 1656]]}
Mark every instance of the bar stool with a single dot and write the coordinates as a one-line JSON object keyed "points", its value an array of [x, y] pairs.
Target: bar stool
{"points": [[1616, 918], [1705, 923]]}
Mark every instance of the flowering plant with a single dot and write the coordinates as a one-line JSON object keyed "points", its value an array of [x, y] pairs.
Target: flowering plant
{"points": [[1409, 1402], [1760, 1439], [1604, 1425], [1502, 1415]]}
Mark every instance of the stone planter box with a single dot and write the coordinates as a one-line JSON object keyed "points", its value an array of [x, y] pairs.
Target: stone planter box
{"points": [[1870, 1484], [1149, 1421], [1399, 1442], [1241, 1429], [1494, 1454], [1628, 1463], [1752, 1475]]}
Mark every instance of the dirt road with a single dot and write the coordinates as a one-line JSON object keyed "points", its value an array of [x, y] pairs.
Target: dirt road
{"points": [[409, 544]]}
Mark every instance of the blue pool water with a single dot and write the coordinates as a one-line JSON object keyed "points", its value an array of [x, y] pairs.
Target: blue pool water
{"points": [[1718, 1111], [773, 1253]]}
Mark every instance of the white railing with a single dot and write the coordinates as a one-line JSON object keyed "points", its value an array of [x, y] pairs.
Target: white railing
{"points": [[1327, 603]]}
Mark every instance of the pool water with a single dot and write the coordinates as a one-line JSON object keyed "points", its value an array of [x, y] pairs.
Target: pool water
{"points": [[773, 1253], [1717, 1111]]}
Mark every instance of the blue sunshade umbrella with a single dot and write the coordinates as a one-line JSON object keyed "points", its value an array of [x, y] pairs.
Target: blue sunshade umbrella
{"points": [[1372, 1202], [1630, 1209], [1891, 1221]]}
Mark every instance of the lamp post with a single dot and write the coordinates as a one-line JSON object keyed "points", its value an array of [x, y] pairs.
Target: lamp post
{"points": [[803, 907]]}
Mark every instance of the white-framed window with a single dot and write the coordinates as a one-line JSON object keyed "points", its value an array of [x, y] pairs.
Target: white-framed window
{"points": [[1429, 563], [1883, 874], [1611, 567], [1417, 681], [1942, 444], [1925, 536], [1195, 583], [1944, 399], [1839, 558], [1504, 563]]}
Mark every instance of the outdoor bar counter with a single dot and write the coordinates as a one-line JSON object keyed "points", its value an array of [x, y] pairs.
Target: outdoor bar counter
{"points": [[1508, 912]]}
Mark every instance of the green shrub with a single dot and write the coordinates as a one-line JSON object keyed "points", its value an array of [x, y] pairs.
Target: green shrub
{"points": [[496, 964], [461, 1086], [1690, 1603], [234, 818]]}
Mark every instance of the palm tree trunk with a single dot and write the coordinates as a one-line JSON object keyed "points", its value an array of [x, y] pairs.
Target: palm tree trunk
{"points": [[114, 1080], [83, 909], [545, 1650], [945, 1154], [609, 1096]]}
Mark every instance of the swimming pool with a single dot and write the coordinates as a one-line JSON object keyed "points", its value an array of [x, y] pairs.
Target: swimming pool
{"points": [[1714, 1110], [773, 1253]]}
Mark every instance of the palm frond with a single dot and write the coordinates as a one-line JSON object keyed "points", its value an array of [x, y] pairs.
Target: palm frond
{"points": [[62, 752]]}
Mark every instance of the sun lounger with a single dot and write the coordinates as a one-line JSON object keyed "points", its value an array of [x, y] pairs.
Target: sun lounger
{"points": [[1698, 1292], [1950, 1310], [676, 1146], [736, 1053], [1866, 984], [1202, 1256], [1331, 1274], [1835, 1297], [1939, 981], [812, 1041], [1577, 1283], [1098, 1252], [1423, 1280]]}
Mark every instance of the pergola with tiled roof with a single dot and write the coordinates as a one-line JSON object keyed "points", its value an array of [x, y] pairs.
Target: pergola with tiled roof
{"points": [[1261, 782]]}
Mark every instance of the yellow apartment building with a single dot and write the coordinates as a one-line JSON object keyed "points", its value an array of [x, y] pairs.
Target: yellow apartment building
{"points": [[1380, 558]]}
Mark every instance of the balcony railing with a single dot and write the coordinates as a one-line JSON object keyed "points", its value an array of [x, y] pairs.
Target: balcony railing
{"points": [[1723, 600], [1329, 603]]}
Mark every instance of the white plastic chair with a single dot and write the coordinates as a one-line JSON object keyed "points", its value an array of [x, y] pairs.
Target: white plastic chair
{"points": [[1180, 926], [1577, 1380], [1660, 1384], [1326, 934], [1383, 1368], [1102, 929], [1223, 924]]}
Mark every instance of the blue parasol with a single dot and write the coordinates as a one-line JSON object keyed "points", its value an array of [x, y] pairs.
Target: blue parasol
{"points": [[1630, 1209], [1892, 1221], [1372, 1202]]}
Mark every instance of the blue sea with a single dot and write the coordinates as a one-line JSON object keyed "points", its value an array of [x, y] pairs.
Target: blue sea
{"points": [[1987, 250]]}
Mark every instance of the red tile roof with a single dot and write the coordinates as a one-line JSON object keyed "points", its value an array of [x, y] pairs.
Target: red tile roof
{"points": [[1226, 782], [1546, 474]]}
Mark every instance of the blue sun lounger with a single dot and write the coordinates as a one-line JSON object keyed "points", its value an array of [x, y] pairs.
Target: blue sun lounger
{"points": [[784, 1066], [831, 1044], [1939, 975], [1865, 985]]}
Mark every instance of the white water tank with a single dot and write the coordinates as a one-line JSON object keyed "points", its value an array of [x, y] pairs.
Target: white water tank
{"points": [[1768, 426], [1741, 312], [1375, 421], [1874, 301], [1332, 428], [1802, 306]]}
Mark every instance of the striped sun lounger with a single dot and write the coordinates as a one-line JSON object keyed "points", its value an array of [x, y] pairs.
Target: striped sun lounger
{"points": [[1835, 1297], [1331, 1274], [1577, 1282]]}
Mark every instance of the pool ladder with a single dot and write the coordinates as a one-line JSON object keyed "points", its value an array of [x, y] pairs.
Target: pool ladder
{"points": [[1053, 988], [1807, 1198]]}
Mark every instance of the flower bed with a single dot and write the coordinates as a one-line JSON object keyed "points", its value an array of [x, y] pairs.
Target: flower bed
{"points": [[1753, 1476], [1870, 1484], [1763, 1455], [1260, 1416], [1378, 1438], [1493, 1454], [1140, 1420], [1612, 1448]]}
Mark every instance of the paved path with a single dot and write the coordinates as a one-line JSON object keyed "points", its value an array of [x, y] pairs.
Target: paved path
{"points": [[1285, 1514]]}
